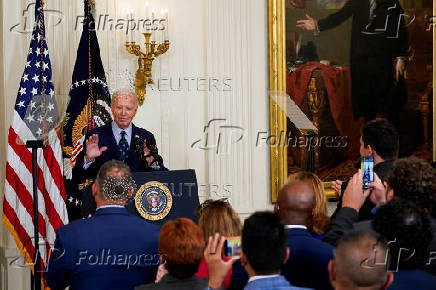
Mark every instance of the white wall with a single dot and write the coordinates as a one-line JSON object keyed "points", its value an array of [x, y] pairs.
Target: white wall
{"points": [[225, 40]]}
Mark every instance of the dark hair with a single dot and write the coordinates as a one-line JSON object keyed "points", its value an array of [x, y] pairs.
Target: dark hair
{"points": [[115, 181], [382, 136], [414, 180], [360, 259], [264, 242], [181, 245], [408, 230]]}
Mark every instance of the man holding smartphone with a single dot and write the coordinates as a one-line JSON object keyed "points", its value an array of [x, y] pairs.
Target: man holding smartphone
{"points": [[380, 141]]}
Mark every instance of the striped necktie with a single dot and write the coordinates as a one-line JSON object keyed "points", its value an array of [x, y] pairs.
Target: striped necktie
{"points": [[123, 146]]}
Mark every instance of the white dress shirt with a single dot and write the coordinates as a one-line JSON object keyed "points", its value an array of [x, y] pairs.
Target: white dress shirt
{"points": [[253, 278], [295, 227]]}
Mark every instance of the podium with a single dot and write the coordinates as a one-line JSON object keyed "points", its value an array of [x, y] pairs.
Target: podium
{"points": [[182, 186]]}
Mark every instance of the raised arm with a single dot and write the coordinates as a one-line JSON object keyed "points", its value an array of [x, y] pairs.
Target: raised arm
{"points": [[338, 17]]}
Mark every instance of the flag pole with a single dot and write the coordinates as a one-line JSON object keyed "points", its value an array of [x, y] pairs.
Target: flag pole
{"points": [[35, 144], [36, 280]]}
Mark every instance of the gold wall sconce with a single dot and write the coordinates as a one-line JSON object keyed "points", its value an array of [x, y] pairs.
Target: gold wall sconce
{"points": [[153, 49]]}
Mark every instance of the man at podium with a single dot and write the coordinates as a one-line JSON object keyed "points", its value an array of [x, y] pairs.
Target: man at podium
{"points": [[119, 140]]}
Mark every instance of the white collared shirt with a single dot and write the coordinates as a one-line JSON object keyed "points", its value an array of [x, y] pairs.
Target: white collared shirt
{"points": [[117, 132], [295, 227], [109, 206], [253, 278]]}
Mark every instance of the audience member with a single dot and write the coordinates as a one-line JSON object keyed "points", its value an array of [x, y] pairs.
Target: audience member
{"points": [[360, 263], [410, 178], [217, 216], [295, 205], [379, 140], [181, 246], [319, 220], [353, 199], [408, 230], [109, 250], [263, 254]]}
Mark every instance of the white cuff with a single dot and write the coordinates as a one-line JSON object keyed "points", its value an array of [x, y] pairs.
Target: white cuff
{"points": [[87, 164]]}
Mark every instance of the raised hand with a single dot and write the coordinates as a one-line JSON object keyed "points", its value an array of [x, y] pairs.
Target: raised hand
{"points": [[92, 149], [161, 271], [354, 195], [378, 194], [400, 67], [150, 159], [218, 268], [336, 186], [307, 24]]}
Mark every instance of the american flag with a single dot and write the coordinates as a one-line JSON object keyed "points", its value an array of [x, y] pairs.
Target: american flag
{"points": [[35, 116]]}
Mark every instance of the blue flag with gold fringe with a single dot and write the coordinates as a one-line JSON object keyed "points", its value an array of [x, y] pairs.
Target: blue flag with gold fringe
{"points": [[89, 105]]}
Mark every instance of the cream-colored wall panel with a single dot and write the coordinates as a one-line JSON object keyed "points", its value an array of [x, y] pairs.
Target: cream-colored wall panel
{"points": [[13, 62], [221, 42], [237, 48]]}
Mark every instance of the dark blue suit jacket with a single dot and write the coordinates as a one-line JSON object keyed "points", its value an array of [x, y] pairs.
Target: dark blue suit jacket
{"points": [[272, 283], [110, 250], [413, 279], [106, 138], [308, 260]]}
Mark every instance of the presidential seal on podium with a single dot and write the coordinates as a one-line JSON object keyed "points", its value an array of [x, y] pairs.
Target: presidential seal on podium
{"points": [[153, 201]]}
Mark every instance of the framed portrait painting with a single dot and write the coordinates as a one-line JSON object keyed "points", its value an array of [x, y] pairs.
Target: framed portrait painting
{"points": [[342, 63]]}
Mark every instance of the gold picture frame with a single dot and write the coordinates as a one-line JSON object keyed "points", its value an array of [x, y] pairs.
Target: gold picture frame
{"points": [[277, 83]]}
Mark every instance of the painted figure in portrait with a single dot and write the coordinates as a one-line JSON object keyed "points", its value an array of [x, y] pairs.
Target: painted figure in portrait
{"points": [[358, 60]]}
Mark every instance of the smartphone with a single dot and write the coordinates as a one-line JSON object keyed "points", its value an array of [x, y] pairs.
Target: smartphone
{"points": [[367, 167], [232, 247]]}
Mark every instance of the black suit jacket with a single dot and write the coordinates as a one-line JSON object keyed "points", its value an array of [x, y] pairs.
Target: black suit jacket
{"points": [[382, 169], [375, 44], [346, 221]]}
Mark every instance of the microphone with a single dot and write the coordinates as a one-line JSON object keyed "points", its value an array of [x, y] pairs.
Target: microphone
{"points": [[154, 152], [139, 150]]}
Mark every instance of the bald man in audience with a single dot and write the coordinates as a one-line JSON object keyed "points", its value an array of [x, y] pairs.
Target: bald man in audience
{"points": [[309, 257], [360, 263]]}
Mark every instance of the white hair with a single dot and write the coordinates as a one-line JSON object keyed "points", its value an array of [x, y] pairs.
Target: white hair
{"points": [[125, 92]]}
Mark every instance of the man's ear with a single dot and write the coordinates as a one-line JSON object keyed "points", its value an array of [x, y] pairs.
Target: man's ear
{"points": [[370, 150], [94, 189], [390, 194], [286, 256], [332, 272], [389, 280], [243, 259], [131, 191]]}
